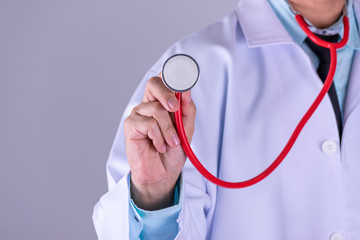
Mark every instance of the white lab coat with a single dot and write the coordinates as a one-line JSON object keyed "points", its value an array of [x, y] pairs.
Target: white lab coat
{"points": [[255, 85]]}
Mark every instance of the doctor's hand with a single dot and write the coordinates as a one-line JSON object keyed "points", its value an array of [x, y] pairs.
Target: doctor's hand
{"points": [[153, 148]]}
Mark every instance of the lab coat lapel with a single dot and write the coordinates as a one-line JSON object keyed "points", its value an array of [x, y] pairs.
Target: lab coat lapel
{"points": [[260, 24]]}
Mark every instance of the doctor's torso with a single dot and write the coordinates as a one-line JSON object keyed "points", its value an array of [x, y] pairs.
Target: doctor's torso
{"points": [[255, 85]]}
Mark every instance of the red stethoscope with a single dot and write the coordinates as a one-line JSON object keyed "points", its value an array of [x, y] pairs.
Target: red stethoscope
{"points": [[181, 72]]}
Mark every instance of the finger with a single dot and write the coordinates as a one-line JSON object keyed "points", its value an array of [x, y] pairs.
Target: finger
{"points": [[188, 114], [186, 96], [142, 127], [161, 115], [157, 91]]}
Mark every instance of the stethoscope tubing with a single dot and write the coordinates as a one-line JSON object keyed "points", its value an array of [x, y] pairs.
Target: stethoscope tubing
{"points": [[329, 79]]}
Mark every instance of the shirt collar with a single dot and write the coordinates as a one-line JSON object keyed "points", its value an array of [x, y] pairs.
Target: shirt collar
{"points": [[265, 24], [286, 16]]}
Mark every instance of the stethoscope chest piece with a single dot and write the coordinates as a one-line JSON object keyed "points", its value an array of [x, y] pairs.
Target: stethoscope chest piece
{"points": [[180, 72]]}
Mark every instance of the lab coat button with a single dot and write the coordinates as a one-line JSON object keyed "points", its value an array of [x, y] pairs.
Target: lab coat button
{"points": [[329, 147], [336, 236]]}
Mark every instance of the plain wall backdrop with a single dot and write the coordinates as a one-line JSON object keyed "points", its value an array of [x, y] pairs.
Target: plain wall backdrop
{"points": [[67, 71]]}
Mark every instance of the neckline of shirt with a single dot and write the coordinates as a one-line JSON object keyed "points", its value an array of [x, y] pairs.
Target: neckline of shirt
{"points": [[286, 16]]}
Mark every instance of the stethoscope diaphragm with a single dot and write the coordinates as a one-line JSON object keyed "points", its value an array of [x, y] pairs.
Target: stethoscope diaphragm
{"points": [[180, 72]]}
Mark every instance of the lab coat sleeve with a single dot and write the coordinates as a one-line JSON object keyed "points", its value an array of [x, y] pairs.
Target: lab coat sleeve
{"points": [[196, 203], [111, 213]]}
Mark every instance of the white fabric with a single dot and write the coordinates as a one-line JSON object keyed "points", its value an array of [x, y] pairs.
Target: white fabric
{"points": [[255, 85]]}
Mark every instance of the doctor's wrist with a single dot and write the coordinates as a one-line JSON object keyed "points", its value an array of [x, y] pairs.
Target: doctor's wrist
{"points": [[154, 196]]}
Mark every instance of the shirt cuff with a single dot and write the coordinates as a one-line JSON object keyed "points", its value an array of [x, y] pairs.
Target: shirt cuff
{"points": [[159, 224]]}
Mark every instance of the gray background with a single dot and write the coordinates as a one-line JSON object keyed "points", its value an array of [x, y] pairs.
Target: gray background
{"points": [[67, 71]]}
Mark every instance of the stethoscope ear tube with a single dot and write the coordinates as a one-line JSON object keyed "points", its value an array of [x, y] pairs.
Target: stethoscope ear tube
{"points": [[192, 157], [319, 41]]}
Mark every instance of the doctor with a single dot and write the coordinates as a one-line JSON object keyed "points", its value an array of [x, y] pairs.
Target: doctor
{"points": [[259, 74]]}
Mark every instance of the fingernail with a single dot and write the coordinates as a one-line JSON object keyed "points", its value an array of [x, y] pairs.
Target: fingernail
{"points": [[173, 103], [175, 139]]}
